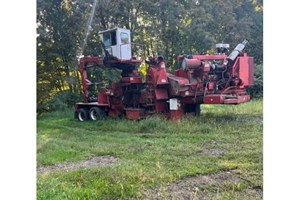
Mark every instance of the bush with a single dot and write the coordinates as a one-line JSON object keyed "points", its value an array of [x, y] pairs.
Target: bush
{"points": [[256, 91], [62, 101], [57, 103]]}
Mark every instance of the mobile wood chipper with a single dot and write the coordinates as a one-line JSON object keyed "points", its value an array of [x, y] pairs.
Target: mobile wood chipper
{"points": [[200, 79]]}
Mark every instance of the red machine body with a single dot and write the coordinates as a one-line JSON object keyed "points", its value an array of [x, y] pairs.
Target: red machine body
{"points": [[200, 79]]}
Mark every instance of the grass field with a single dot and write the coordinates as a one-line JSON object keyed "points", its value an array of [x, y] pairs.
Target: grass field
{"points": [[154, 154]]}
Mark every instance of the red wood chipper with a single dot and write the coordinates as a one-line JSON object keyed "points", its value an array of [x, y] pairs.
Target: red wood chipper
{"points": [[199, 79]]}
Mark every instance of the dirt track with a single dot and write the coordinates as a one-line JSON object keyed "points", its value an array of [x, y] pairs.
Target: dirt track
{"points": [[69, 166], [202, 187]]}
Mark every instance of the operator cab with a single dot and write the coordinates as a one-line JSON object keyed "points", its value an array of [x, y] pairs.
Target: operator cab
{"points": [[117, 42]]}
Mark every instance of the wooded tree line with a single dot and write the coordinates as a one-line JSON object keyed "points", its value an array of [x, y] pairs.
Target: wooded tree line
{"points": [[165, 27]]}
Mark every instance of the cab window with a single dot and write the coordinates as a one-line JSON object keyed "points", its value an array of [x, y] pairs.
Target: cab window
{"points": [[109, 38], [124, 38]]}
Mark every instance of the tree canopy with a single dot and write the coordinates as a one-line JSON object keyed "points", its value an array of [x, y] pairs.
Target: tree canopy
{"points": [[165, 27]]}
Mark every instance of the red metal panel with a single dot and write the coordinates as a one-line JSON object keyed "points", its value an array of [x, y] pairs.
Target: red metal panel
{"points": [[251, 70], [162, 77], [176, 114], [103, 98], [179, 80], [237, 100], [160, 106], [132, 80], [180, 73], [113, 113], [134, 113], [210, 57], [214, 99], [177, 84], [246, 70], [192, 63], [161, 93], [157, 76]]}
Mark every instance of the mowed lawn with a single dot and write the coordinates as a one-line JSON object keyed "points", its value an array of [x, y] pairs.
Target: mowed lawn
{"points": [[152, 153]]}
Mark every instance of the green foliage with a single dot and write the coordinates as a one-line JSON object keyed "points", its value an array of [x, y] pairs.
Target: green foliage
{"points": [[57, 104], [256, 90], [62, 101], [152, 152]]}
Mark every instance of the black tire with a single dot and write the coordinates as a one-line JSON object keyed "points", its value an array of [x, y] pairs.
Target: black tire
{"points": [[96, 113], [82, 114]]}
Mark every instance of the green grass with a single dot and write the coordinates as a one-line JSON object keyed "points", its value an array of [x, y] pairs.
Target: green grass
{"points": [[152, 152]]}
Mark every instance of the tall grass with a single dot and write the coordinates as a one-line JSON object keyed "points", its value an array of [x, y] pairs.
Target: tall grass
{"points": [[152, 152]]}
